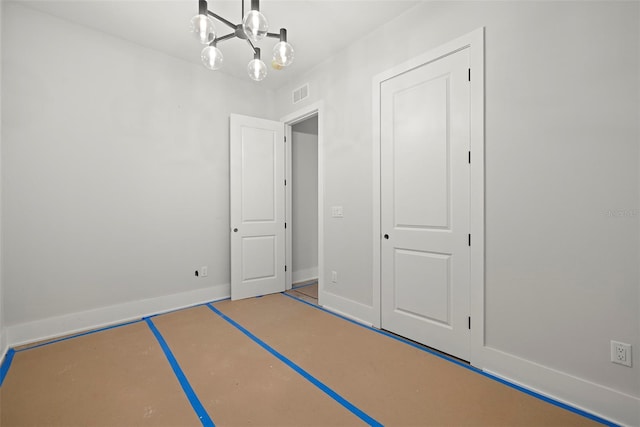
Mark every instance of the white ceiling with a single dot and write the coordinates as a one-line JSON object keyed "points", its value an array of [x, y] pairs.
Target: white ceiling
{"points": [[316, 28]]}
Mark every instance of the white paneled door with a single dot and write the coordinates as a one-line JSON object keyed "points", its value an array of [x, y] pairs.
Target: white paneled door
{"points": [[424, 130], [257, 199]]}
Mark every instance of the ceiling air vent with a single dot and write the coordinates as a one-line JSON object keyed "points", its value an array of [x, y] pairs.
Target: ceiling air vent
{"points": [[301, 93]]}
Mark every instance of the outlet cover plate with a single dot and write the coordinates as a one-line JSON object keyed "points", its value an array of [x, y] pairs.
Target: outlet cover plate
{"points": [[621, 353]]}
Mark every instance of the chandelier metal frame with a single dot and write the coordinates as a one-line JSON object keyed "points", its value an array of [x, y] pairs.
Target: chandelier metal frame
{"points": [[238, 31], [282, 58]]}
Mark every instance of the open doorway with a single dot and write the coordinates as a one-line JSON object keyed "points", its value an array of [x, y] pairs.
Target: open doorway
{"points": [[305, 203], [304, 209], [278, 246]]}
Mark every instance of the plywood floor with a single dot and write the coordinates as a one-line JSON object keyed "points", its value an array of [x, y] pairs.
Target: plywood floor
{"points": [[306, 291], [268, 361]]}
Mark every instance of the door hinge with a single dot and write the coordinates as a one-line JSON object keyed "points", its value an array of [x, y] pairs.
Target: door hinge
{"points": [[469, 158], [285, 139], [285, 268], [469, 239], [285, 181], [469, 322], [285, 225], [469, 74]]}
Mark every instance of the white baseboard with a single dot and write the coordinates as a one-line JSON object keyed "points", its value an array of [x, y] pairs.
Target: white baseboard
{"points": [[304, 275], [590, 397], [348, 316], [593, 398], [52, 327], [348, 308]]}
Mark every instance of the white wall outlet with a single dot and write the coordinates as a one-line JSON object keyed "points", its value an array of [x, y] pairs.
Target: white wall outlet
{"points": [[336, 212], [334, 276], [621, 353], [204, 271]]}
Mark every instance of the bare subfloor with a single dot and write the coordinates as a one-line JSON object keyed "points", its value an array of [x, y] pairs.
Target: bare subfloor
{"points": [[269, 361], [306, 291]]}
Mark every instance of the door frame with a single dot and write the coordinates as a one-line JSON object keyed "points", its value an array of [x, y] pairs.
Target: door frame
{"points": [[474, 41], [314, 109]]}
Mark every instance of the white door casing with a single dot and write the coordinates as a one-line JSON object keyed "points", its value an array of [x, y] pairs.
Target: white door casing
{"points": [[474, 43], [313, 109], [257, 206], [425, 144]]}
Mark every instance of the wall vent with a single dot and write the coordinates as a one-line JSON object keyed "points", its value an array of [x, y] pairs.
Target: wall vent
{"points": [[301, 93]]}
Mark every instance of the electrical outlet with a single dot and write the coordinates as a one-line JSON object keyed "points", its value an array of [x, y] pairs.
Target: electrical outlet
{"points": [[204, 271], [621, 353], [334, 276], [336, 212]]}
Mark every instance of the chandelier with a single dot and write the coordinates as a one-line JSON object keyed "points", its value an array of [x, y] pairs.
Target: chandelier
{"points": [[254, 27]]}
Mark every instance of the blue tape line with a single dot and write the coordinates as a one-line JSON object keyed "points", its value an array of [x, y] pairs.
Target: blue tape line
{"points": [[6, 364], [466, 366], [341, 400], [387, 334], [184, 382], [81, 334]]}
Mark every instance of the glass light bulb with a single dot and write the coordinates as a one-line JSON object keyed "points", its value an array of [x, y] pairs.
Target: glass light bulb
{"points": [[283, 54], [203, 29], [255, 25], [276, 66], [257, 70], [212, 57]]}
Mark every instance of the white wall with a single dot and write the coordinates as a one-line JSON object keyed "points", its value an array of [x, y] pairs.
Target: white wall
{"points": [[115, 178], [115, 175], [2, 334], [562, 150], [304, 203]]}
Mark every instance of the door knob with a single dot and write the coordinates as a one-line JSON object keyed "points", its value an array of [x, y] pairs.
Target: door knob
{"points": [[235, 230], [386, 236]]}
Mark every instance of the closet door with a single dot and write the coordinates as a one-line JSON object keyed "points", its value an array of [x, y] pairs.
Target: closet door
{"points": [[425, 123]]}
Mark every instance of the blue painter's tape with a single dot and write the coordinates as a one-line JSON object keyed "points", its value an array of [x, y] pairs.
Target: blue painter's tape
{"points": [[466, 366], [387, 334], [184, 382], [80, 335], [341, 400], [6, 364]]}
